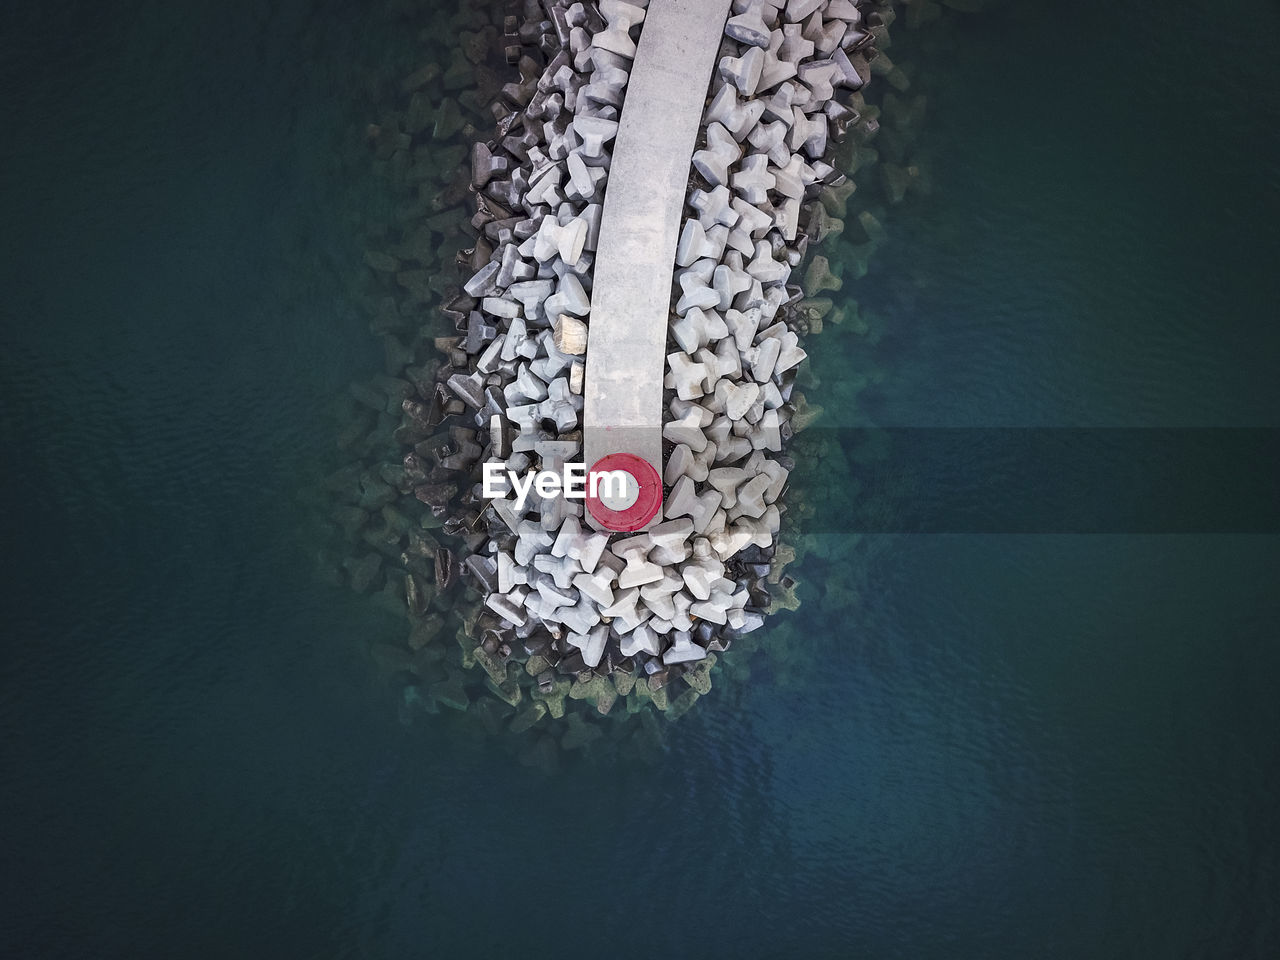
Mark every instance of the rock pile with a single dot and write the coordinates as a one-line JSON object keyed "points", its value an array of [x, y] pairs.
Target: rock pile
{"points": [[567, 613], [685, 588]]}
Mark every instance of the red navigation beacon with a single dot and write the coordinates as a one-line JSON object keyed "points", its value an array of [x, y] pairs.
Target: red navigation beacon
{"points": [[636, 505]]}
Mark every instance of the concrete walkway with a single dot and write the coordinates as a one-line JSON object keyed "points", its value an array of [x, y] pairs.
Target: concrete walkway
{"points": [[643, 210]]}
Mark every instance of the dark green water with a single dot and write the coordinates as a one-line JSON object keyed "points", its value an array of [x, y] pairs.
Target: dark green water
{"points": [[975, 745]]}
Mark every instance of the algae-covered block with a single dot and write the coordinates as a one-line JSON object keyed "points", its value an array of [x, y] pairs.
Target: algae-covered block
{"points": [[420, 78], [815, 307], [458, 75], [527, 717], [606, 696], [493, 665], [363, 572], [448, 119], [623, 682], [819, 277], [428, 663], [381, 262], [450, 693], [477, 45], [783, 555], [553, 698], [467, 645], [598, 690], [783, 596], [659, 697], [508, 691], [414, 699], [639, 698], [835, 199], [699, 676], [491, 713], [804, 413], [873, 230], [681, 704], [424, 630]]}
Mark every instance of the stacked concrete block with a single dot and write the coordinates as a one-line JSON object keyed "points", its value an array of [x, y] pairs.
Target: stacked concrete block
{"points": [[733, 356], [559, 600]]}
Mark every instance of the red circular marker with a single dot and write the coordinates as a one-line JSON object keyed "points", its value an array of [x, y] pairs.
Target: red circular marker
{"points": [[634, 507]]}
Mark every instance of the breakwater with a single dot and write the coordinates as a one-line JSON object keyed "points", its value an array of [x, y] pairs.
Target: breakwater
{"points": [[547, 610]]}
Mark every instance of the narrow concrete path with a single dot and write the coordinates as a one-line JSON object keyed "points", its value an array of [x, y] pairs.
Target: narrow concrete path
{"points": [[640, 224]]}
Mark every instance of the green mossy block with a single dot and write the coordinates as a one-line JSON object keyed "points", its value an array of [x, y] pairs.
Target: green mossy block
{"points": [[681, 704], [822, 225], [554, 699], [424, 630], [491, 714], [458, 74], [397, 521], [467, 645], [638, 699], [804, 413], [477, 45], [598, 691], [659, 697], [363, 571], [623, 683], [895, 180], [380, 262], [605, 697], [350, 519], [527, 717], [819, 277], [783, 596], [508, 691], [450, 693], [448, 119], [835, 199], [420, 78], [699, 675], [428, 663], [420, 115], [812, 307], [783, 555], [492, 665]]}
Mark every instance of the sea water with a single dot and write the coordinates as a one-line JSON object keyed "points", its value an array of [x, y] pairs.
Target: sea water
{"points": [[964, 743]]}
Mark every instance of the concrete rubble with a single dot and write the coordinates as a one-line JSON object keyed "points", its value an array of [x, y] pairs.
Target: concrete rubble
{"points": [[566, 613]]}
